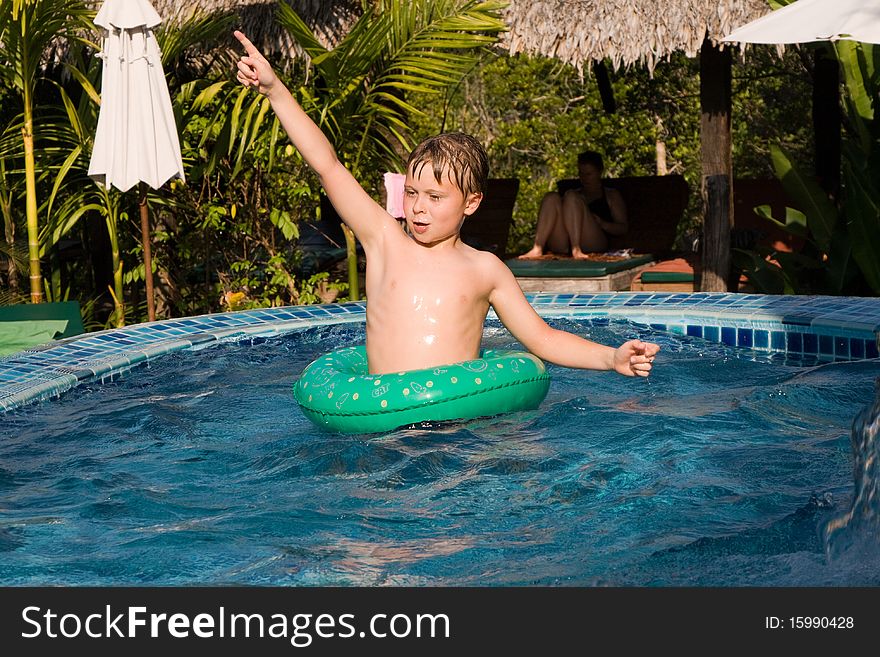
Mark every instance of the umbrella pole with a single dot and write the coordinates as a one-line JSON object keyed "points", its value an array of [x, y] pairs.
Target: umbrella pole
{"points": [[145, 238]]}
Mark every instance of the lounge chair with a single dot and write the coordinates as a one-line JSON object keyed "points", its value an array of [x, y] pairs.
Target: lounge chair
{"points": [[488, 228], [681, 273], [27, 325], [655, 205]]}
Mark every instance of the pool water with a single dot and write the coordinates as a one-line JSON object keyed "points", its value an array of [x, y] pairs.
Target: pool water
{"points": [[724, 468]]}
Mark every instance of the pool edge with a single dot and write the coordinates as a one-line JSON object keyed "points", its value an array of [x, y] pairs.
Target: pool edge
{"points": [[832, 328]]}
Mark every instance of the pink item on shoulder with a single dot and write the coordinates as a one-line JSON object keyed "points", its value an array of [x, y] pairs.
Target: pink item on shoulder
{"points": [[394, 194]]}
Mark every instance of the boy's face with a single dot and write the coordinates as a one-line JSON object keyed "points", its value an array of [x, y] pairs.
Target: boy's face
{"points": [[434, 210]]}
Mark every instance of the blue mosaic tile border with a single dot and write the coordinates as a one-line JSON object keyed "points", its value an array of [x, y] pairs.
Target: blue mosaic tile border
{"points": [[828, 328]]}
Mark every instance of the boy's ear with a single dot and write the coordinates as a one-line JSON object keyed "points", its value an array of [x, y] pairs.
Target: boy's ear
{"points": [[473, 202]]}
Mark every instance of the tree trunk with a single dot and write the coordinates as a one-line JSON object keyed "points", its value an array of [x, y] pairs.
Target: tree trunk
{"points": [[352, 260], [33, 230], [717, 175], [145, 243], [116, 290], [660, 148], [606, 91]]}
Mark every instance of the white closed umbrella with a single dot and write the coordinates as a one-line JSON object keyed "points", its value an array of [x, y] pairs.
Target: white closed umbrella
{"points": [[136, 139], [806, 21]]}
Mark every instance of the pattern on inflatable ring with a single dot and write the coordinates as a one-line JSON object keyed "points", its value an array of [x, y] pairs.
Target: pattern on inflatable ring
{"points": [[336, 391]]}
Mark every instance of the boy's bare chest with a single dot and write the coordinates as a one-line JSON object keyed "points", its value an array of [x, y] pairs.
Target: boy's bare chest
{"points": [[433, 286]]}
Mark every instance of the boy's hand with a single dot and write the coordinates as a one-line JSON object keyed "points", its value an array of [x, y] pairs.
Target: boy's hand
{"points": [[253, 69], [634, 358]]}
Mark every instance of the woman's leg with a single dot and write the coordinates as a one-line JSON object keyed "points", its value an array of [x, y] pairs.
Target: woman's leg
{"points": [[584, 231], [550, 233]]}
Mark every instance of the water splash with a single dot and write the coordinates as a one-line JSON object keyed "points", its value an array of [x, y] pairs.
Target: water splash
{"points": [[854, 537]]}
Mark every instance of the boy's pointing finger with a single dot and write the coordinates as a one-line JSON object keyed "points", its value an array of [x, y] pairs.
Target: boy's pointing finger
{"points": [[249, 47]]}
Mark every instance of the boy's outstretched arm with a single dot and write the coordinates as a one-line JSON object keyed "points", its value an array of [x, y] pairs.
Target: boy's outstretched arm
{"points": [[632, 358], [365, 217]]}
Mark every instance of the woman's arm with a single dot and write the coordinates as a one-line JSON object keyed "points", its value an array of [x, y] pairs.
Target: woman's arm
{"points": [[619, 223]]}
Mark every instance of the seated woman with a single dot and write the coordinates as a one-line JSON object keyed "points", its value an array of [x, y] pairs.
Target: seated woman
{"points": [[580, 222]]}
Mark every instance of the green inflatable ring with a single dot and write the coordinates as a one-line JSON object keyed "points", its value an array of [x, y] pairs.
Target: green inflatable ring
{"points": [[336, 392]]}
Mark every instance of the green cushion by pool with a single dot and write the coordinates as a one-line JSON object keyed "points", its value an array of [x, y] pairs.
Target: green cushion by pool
{"points": [[667, 277], [26, 325], [570, 268]]}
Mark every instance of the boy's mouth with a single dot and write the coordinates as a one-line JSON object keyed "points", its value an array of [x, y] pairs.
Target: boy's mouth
{"points": [[420, 226]]}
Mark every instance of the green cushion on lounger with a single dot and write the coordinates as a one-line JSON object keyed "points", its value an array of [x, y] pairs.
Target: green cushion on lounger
{"points": [[570, 268], [667, 277], [26, 325]]}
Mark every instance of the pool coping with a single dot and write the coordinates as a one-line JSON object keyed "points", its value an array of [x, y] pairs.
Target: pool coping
{"points": [[831, 328]]}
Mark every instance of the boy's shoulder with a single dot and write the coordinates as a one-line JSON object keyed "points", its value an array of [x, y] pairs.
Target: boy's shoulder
{"points": [[475, 254], [485, 264]]}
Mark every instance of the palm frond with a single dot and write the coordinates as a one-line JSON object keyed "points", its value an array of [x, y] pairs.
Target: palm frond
{"points": [[28, 29], [9, 297], [297, 28], [393, 50], [177, 35]]}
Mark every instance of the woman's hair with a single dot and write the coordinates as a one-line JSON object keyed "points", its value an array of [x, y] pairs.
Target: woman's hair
{"points": [[460, 155], [592, 157]]}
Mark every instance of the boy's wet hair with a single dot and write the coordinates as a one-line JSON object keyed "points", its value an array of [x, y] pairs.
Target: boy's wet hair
{"points": [[462, 156], [592, 157]]}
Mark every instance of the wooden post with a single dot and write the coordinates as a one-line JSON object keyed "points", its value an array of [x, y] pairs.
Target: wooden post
{"points": [[716, 249], [717, 187], [145, 241], [606, 91]]}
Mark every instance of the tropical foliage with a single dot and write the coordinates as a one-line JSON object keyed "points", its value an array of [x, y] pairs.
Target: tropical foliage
{"points": [[228, 238], [27, 30], [843, 233], [536, 115]]}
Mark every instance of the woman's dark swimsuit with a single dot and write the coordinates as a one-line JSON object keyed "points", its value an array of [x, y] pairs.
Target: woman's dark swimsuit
{"points": [[600, 207]]}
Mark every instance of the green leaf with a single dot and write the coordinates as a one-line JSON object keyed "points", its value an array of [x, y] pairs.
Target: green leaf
{"points": [[206, 96], [290, 20], [394, 49], [820, 212], [84, 82], [795, 221], [62, 174], [72, 114], [863, 222], [50, 235], [767, 278], [176, 35], [858, 99], [839, 262], [281, 220]]}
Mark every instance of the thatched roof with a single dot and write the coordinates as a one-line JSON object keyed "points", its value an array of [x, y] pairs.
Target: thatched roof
{"points": [[577, 32], [623, 31]]}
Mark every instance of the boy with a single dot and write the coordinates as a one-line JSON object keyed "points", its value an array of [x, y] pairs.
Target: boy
{"points": [[428, 292]]}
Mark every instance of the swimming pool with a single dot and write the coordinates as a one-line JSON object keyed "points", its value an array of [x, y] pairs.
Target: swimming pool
{"points": [[731, 465]]}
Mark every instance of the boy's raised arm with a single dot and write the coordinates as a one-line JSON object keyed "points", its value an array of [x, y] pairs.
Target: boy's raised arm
{"points": [[632, 358], [365, 217]]}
